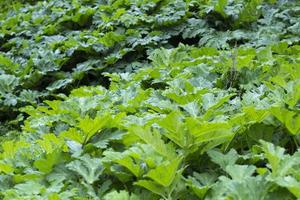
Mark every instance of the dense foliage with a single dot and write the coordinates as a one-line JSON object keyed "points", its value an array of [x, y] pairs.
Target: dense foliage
{"points": [[150, 99]]}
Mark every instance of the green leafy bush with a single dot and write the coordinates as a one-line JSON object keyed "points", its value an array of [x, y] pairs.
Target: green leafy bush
{"points": [[153, 134], [49, 47], [149, 99]]}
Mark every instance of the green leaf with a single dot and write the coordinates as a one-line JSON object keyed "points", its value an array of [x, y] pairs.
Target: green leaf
{"points": [[7, 64], [192, 108], [201, 183], [102, 141], [121, 195], [151, 186], [280, 163], [209, 131], [46, 165], [240, 172], [273, 154], [111, 38], [153, 138], [6, 168], [176, 131], [250, 12], [29, 188], [223, 160], [159, 174], [75, 135], [50, 143], [220, 7], [290, 119], [8, 83], [291, 184], [129, 164], [89, 168], [59, 84], [92, 126]]}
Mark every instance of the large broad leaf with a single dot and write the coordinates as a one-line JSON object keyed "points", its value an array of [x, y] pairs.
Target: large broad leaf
{"points": [[6, 168], [159, 174], [46, 164], [240, 172], [29, 188], [121, 195], [248, 188], [151, 186], [7, 64], [130, 165], [74, 135], [220, 7], [60, 84], [223, 160], [290, 119], [137, 159], [8, 83], [201, 183], [209, 131], [92, 126], [102, 141], [89, 168], [153, 138], [250, 12], [273, 154], [292, 184], [176, 132], [50, 143], [280, 163]]}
